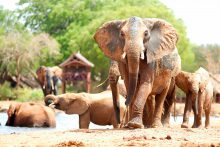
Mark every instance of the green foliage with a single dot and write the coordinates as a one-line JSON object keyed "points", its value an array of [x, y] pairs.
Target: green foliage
{"points": [[207, 56], [28, 94], [20, 94], [6, 92], [20, 50], [74, 22]]}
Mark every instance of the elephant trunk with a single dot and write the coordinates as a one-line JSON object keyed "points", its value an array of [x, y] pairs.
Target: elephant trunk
{"points": [[49, 83], [133, 57]]}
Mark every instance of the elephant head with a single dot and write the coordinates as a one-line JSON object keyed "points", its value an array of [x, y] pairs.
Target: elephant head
{"points": [[12, 114], [135, 39], [70, 103], [45, 78]]}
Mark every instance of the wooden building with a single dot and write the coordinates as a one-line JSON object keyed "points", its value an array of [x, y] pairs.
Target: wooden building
{"points": [[215, 78], [76, 68]]}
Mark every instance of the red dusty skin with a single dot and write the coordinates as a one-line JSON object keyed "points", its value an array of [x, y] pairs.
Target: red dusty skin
{"points": [[133, 62]]}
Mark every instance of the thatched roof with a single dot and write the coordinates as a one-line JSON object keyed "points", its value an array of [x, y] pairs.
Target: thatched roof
{"points": [[215, 78], [76, 59]]}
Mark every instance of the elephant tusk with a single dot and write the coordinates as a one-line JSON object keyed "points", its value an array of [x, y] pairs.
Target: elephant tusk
{"points": [[52, 105], [142, 55], [43, 86], [123, 57]]}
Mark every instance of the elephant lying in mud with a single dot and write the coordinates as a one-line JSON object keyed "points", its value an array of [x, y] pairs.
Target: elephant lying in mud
{"points": [[96, 108], [199, 93], [145, 50], [30, 114]]}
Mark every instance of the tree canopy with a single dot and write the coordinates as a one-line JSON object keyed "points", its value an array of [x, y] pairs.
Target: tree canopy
{"points": [[74, 22], [20, 50]]}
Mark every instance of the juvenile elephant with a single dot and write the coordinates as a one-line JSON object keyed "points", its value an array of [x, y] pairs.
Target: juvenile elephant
{"points": [[30, 115], [48, 78], [145, 50], [199, 93], [95, 108]]}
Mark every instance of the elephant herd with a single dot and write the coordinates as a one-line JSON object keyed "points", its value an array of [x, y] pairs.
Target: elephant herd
{"points": [[143, 53]]}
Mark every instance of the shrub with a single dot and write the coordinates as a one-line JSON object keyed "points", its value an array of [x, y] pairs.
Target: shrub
{"points": [[20, 94]]}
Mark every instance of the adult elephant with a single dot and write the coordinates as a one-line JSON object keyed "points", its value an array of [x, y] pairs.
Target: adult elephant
{"points": [[48, 78], [149, 107], [96, 108], [199, 93], [30, 115], [145, 51]]}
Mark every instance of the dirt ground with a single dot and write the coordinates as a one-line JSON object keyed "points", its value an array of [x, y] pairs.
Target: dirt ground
{"points": [[173, 136]]}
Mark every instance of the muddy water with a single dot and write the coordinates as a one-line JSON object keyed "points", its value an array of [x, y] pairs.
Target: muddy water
{"points": [[66, 122], [63, 122]]}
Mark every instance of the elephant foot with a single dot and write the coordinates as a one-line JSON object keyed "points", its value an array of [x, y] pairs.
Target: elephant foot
{"points": [[194, 125], [135, 123], [166, 124], [184, 125], [157, 124], [207, 126], [199, 126]]}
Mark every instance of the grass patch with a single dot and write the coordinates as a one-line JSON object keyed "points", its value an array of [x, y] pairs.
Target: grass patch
{"points": [[20, 94]]}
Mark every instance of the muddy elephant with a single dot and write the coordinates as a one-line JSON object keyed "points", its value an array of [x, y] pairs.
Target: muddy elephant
{"points": [[145, 50], [199, 93], [48, 78], [150, 103], [96, 108], [30, 114]]}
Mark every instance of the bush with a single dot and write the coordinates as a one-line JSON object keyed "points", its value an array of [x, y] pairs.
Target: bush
{"points": [[6, 92], [28, 94], [20, 94]]}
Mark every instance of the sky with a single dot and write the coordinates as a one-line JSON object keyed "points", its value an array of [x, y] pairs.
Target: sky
{"points": [[201, 18]]}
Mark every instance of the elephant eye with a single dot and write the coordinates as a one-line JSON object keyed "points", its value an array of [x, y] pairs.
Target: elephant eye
{"points": [[146, 33], [122, 34]]}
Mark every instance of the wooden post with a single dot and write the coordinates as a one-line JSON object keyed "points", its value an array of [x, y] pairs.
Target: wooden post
{"points": [[88, 81]]}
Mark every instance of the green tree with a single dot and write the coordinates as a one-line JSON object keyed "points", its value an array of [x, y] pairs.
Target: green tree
{"points": [[74, 22], [207, 56], [20, 50]]}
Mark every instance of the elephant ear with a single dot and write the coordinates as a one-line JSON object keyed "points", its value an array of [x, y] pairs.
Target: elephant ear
{"points": [[163, 39], [12, 109], [78, 105], [109, 40], [204, 78]]}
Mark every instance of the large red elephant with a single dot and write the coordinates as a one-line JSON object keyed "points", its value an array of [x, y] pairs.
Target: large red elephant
{"points": [[145, 50]]}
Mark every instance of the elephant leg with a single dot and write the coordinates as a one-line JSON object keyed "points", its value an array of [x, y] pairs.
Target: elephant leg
{"points": [[138, 106], [148, 112], [200, 109], [55, 90], [187, 110], [207, 116], [159, 99], [44, 91], [113, 79], [170, 98], [84, 121], [195, 116]]}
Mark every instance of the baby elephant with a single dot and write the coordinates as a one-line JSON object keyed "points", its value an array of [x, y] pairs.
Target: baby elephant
{"points": [[30, 115], [95, 108], [199, 93]]}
